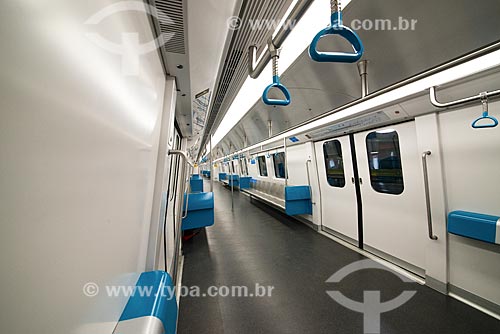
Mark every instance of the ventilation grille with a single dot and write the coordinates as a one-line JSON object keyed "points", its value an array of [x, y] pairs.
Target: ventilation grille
{"points": [[171, 20], [235, 65]]}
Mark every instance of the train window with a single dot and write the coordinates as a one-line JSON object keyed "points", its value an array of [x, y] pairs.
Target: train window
{"points": [[262, 166], [244, 166], [279, 165], [334, 163], [384, 158], [232, 171]]}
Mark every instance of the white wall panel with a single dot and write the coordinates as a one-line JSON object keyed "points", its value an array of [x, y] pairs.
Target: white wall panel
{"points": [[471, 168], [436, 259], [78, 147]]}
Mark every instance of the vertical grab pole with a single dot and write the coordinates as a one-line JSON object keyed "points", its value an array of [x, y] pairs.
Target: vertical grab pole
{"points": [[232, 185], [309, 179], [427, 195], [188, 183], [211, 167], [231, 168], [286, 163], [363, 73]]}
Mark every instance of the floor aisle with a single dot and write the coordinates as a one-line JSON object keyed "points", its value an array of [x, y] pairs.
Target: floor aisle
{"points": [[257, 245]]}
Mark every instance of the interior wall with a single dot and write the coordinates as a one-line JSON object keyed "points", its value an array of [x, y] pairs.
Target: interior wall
{"points": [[79, 143], [471, 163]]}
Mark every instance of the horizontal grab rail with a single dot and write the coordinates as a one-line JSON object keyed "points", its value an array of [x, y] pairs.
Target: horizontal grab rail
{"points": [[478, 123], [478, 97]]}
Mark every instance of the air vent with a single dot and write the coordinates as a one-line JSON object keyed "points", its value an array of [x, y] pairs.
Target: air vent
{"points": [[171, 20]]}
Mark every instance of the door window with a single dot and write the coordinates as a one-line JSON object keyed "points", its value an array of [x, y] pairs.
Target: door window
{"points": [[384, 158], [334, 163]]}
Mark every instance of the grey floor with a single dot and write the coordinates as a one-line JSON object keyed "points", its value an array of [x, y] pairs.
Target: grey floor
{"points": [[255, 244]]}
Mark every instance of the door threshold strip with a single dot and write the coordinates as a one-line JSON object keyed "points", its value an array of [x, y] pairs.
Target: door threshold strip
{"points": [[375, 258]]}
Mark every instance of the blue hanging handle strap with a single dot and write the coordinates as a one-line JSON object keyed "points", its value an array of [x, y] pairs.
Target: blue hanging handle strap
{"points": [[486, 116], [337, 28], [276, 81]]}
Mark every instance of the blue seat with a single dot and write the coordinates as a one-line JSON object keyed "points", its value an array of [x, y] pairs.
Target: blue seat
{"points": [[298, 200], [154, 310], [200, 211], [234, 180], [245, 182], [196, 184], [222, 176], [475, 226]]}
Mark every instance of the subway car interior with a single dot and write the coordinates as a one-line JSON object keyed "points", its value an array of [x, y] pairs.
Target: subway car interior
{"points": [[250, 166]]}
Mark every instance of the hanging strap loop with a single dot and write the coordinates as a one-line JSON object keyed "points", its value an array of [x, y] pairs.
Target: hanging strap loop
{"points": [[337, 28], [486, 116], [275, 54]]}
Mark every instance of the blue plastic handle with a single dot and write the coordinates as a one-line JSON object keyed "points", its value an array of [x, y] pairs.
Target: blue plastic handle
{"points": [[475, 124], [275, 102], [337, 28]]}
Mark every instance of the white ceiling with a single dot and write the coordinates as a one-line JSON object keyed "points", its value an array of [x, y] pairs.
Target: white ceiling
{"points": [[207, 33]]}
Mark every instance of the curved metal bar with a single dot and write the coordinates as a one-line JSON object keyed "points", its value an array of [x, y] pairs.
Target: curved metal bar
{"points": [[483, 97], [276, 102], [436, 103], [255, 69], [427, 195], [337, 28], [182, 154], [186, 160]]}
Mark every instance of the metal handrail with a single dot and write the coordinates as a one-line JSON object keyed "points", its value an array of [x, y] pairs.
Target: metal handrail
{"points": [[427, 195], [231, 168], [308, 173], [254, 70], [479, 97], [308, 161], [172, 195], [188, 182], [286, 162], [455, 62], [264, 151], [182, 154], [483, 97], [186, 160], [179, 227]]}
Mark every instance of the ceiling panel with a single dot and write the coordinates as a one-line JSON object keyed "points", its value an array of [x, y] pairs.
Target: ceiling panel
{"points": [[445, 30]]}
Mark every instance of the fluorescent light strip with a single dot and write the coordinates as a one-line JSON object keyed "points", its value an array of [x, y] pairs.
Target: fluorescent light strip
{"points": [[316, 18], [464, 70]]}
